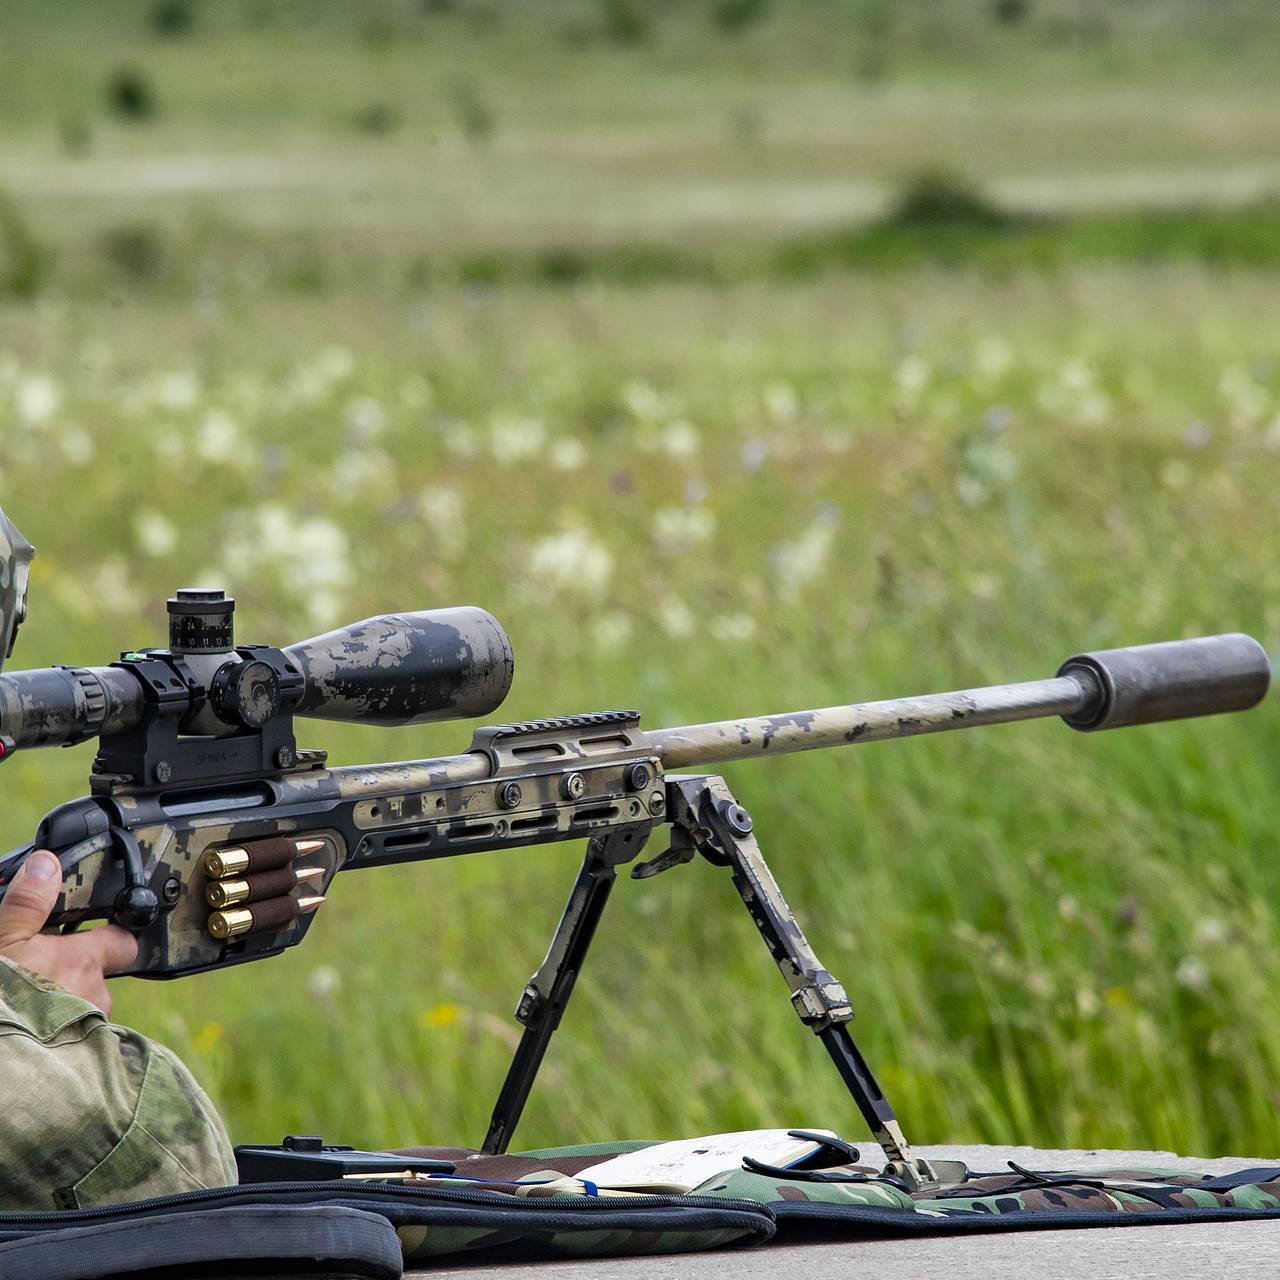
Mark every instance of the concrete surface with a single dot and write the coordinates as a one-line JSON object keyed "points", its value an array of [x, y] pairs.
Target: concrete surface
{"points": [[1189, 1252]]}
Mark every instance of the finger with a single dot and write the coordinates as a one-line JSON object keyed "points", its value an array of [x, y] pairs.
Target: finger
{"points": [[112, 947], [30, 897]]}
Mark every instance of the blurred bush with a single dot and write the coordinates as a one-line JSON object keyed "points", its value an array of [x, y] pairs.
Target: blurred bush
{"points": [[130, 96], [136, 250], [626, 22], [475, 117], [23, 260], [734, 16], [378, 119], [939, 198], [172, 18]]}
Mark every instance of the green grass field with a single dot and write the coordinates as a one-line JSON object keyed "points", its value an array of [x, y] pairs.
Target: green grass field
{"points": [[702, 495]]}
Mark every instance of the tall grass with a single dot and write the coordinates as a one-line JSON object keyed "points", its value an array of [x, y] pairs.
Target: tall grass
{"points": [[705, 502]]}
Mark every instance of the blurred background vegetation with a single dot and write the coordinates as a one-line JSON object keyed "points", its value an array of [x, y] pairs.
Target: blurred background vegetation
{"points": [[740, 355]]}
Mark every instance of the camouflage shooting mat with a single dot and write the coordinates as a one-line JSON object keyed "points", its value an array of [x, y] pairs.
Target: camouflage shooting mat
{"points": [[852, 1198], [533, 1204]]}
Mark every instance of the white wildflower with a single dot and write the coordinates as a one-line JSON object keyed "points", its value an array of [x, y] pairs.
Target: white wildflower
{"points": [[361, 470], [335, 363], [1087, 1002], [568, 454], [217, 437], [116, 588], [365, 420], [1247, 400], [754, 453], [36, 398], [155, 532], [325, 606], [912, 376], [798, 563], [992, 358], [1198, 435], [515, 439], [315, 378], [571, 561], [178, 391], [610, 632], [459, 439], [308, 556], [733, 628], [643, 401], [323, 982], [321, 543], [1092, 409], [442, 509], [1077, 376], [674, 618], [676, 529], [781, 402], [679, 439], [1210, 931], [984, 586], [77, 446], [1192, 974]]}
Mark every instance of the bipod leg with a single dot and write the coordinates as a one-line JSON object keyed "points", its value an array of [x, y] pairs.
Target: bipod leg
{"points": [[543, 1003], [707, 817]]}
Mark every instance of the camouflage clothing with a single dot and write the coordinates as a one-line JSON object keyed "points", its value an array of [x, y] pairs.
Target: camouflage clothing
{"points": [[97, 1113], [15, 560]]}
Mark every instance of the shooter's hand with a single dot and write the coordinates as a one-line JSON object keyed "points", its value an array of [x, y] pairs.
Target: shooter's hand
{"points": [[79, 962]]}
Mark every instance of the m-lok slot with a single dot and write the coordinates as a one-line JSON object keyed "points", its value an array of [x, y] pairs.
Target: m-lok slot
{"points": [[594, 813], [538, 822]]}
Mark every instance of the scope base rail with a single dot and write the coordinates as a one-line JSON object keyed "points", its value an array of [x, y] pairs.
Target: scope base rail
{"points": [[154, 752]]}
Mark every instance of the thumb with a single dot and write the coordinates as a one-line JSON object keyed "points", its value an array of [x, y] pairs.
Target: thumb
{"points": [[30, 897]]}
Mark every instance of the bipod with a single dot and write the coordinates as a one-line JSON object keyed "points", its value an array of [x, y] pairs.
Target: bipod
{"points": [[707, 820]]}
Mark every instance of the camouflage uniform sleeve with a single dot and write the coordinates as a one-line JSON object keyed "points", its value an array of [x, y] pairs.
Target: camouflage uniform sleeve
{"points": [[98, 1114]]}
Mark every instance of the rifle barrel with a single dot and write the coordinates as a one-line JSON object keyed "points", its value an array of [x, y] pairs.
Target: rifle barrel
{"points": [[1105, 689], [722, 740]]}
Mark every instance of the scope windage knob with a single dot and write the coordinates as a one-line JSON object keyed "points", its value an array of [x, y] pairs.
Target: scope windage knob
{"points": [[245, 693], [200, 621]]}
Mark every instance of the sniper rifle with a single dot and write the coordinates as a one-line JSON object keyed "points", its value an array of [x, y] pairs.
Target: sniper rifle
{"points": [[213, 837]]}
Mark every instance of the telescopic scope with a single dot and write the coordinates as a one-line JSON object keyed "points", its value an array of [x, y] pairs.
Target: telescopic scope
{"points": [[393, 669]]}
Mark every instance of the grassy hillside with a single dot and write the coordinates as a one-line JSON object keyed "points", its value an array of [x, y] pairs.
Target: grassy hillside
{"points": [[703, 503]]}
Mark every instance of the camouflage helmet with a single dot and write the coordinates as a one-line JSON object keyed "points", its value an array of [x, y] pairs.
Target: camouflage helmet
{"points": [[15, 560]]}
